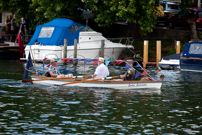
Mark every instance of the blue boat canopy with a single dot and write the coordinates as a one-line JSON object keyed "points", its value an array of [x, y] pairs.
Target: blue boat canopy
{"points": [[53, 33], [193, 49], [174, 56]]}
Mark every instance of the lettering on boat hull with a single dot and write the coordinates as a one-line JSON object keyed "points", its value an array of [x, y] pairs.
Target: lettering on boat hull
{"points": [[137, 84]]}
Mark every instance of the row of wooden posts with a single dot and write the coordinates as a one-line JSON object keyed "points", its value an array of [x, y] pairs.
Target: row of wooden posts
{"points": [[145, 51], [158, 53], [75, 49]]}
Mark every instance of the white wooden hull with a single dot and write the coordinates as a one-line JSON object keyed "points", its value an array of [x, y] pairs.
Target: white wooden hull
{"points": [[121, 85]]}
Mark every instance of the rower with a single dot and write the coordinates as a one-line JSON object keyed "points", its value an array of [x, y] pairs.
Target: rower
{"points": [[130, 73], [54, 72], [101, 71]]}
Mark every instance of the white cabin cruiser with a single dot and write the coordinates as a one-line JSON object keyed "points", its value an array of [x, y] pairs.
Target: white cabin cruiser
{"points": [[48, 42]]}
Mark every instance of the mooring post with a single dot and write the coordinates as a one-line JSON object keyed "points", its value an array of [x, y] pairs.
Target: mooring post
{"points": [[75, 51], [102, 48], [112, 53], [158, 53], [145, 53], [65, 49], [177, 47]]}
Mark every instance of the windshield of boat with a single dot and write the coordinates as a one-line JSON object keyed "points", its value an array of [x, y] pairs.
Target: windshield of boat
{"points": [[46, 32], [195, 49], [87, 29]]}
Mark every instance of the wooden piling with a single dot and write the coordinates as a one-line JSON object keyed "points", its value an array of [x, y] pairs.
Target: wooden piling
{"points": [[75, 51], [65, 48], [112, 53], [177, 47], [102, 48], [145, 53], [158, 53]]}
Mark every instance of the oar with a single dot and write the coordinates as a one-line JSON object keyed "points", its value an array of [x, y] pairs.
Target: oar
{"points": [[56, 78], [89, 80]]}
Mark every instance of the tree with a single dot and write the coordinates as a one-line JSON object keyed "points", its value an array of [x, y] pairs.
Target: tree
{"points": [[42, 11], [191, 21], [140, 12]]}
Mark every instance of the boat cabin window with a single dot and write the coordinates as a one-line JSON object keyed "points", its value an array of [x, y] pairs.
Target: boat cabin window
{"points": [[46, 32], [78, 27], [195, 49], [87, 29], [71, 29]]}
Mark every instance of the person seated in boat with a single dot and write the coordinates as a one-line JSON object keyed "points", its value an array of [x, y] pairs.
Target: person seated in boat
{"points": [[54, 72], [101, 71], [130, 73]]}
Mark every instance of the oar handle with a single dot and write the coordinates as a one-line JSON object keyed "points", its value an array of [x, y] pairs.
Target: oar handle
{"points": [[81, 76]]}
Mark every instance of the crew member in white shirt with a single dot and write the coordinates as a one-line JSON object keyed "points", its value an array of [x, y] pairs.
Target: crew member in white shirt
{"points": [[101, 71]]}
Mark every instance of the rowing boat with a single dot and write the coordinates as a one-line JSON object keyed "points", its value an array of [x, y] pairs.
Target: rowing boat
{"points": [[99, 83]]}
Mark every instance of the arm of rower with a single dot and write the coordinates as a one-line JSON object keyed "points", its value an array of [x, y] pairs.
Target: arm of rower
{"points": [[52, 74]]}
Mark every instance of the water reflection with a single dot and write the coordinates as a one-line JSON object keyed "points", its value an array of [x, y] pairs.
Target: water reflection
{"points": [[37, 109]]}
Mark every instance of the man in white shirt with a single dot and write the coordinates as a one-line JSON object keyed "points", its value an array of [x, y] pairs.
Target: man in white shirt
{"points": [[101, 71]]}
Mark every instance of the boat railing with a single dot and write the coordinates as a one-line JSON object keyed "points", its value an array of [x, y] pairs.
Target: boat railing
{"points": [[72, 56], [96, 57], [123, 40], [51, 55]]}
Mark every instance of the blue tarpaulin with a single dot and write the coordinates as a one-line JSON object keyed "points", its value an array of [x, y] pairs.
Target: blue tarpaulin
{"points": [[53, 33]]}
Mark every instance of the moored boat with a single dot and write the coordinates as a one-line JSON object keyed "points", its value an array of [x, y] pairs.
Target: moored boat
{"points": [[99, 83], [170, 62], [48, 42], [191, 59], [9, 50]]}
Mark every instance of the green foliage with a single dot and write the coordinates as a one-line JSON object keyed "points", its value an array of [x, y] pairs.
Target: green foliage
{"points": [[42, 11], [171, 51], [108, 12], [105, 12]]}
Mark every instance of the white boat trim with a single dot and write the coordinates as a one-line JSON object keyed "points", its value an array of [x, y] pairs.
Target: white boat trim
{"points": [[112, 84]]}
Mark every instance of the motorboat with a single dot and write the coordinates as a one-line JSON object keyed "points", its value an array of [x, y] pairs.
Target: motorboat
{"points": [[48, 42], [171, 62], [191, 59]]}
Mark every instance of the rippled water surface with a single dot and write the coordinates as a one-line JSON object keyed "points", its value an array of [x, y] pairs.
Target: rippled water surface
{"points": [[37, 109]]}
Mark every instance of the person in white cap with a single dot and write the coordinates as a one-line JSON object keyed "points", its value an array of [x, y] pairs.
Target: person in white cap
{"points": [[54, 72], [101, 71]]}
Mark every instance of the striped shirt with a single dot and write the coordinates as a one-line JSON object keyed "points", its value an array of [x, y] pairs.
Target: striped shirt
{"points": [[53, 69]]}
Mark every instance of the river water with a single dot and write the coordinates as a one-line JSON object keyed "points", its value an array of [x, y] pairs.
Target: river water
{"points": [[37, 109]]}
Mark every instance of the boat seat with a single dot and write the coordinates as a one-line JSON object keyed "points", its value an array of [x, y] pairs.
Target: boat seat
{"points": [[47, 74]]}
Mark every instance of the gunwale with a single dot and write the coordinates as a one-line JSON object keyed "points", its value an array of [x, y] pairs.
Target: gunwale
{"points": [[115, 84]]}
